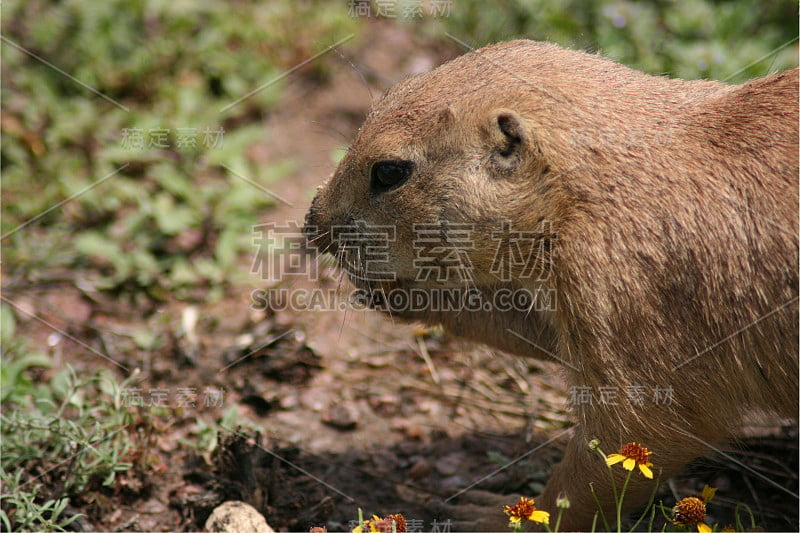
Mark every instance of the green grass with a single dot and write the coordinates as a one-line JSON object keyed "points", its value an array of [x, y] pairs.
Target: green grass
{"points": [[144, 136], [61, 436]]}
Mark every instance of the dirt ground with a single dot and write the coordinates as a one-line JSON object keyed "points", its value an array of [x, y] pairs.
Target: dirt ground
{"points": [[341, 410]]}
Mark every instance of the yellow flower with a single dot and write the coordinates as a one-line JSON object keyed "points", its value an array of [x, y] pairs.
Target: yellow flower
{"points": [[691, 510], [540, 517], [368, 526], [631, 455], [388, 524], [526, 508]]}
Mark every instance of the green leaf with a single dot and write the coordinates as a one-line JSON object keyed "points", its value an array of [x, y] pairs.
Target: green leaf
{"points": [[7, 323], [171, 218], [182, 273], [208, 269], [146, 267], [227, 247], [104, 251]]}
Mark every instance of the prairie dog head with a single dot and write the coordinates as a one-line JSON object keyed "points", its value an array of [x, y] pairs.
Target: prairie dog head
{"points": [[444, 169]]}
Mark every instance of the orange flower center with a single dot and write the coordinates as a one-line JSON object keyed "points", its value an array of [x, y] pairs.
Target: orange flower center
{"points": [[522, 509], [640, 454], [689, 510], [399, 520]]}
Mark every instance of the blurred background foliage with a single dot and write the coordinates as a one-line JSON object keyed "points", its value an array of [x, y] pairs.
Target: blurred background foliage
{"points": [[178, 203], [731, 40]]}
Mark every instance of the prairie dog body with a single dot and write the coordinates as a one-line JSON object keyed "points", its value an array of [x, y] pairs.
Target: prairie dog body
{"points": [[652, 221]]}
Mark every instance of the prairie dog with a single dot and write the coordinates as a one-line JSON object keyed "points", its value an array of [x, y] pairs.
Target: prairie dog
{"points": [[652, 221]]}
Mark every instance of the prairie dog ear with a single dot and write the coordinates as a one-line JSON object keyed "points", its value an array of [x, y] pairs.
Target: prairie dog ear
{"points": [[508, 137]]}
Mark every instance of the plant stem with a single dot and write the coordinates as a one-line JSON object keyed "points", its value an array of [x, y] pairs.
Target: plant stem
{"points": [[558, 518], [649, 505], [620, 499], [599, 507]]}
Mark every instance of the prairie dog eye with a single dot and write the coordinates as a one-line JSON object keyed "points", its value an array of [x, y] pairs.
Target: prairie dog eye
{"points": [[386, 175]]}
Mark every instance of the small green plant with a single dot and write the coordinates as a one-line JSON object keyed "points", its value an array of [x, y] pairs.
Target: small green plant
{"points": [[29, 513], [206, 437], [60, 439]]}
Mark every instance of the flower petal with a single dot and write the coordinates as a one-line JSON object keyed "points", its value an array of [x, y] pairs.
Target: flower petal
{"points": [[628, 463], [614, 458], [515, 519], [702, 527], [542, 517], [646, 472], [708, 493]]}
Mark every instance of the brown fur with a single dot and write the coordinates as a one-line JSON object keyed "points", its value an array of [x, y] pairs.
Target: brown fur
{"points": [[672, 244]]}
